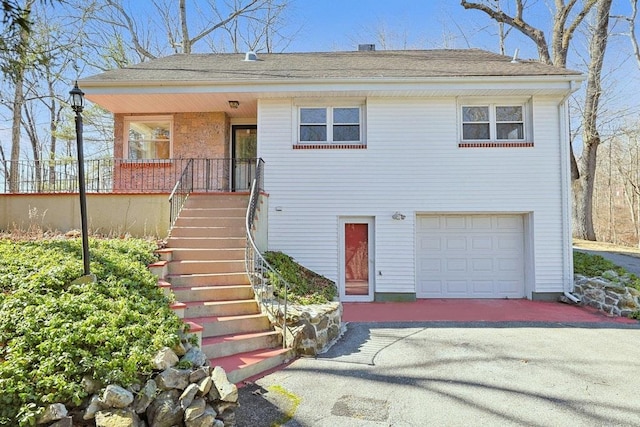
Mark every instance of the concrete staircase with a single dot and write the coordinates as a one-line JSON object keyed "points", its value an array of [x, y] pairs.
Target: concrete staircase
{"points": [[203, 265]]}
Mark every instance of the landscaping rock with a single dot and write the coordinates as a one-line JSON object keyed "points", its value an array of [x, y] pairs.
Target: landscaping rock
{"points": [[145, 397], [95, 405], [117, 418], [204, 386], [117, 397], [610, 297], [188, 395], [173, 378], [165, 358], [90, 385], [53, 412], [199, 374], [228, 392], [206, 419], [63, 422], [195, 410], [165, 410], [196, 357]]}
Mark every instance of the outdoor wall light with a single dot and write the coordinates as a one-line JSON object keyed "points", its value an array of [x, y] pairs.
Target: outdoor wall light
{"points": [[234, 104], [398, 216]]}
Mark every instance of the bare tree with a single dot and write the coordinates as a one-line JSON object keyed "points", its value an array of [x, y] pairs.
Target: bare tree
{"points": [[182, 27], [567, 17]]}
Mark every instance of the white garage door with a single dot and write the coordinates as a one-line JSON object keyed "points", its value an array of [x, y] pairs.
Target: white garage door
{"points": [[470, 256]]}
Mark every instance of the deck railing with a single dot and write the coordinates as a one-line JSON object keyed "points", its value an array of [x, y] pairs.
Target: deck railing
{"points": [[270, 287], [126, 176], [180, 193]]}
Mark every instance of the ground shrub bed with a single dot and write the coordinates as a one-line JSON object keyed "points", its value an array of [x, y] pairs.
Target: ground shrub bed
{"points": [[307, 287], [594, 265], [54, 332]]}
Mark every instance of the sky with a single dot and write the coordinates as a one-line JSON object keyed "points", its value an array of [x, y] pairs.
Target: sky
{"points": [[331, 25], [341, 24]]}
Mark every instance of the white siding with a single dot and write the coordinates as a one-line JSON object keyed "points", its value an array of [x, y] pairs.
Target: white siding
{"points": [[413, 165]]}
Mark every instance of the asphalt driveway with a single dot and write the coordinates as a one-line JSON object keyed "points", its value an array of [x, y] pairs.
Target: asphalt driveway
{"points": [[458, 374]]}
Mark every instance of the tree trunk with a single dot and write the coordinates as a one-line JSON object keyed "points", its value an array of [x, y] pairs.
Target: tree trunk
{"points": [[583, 195], [583, 186]]}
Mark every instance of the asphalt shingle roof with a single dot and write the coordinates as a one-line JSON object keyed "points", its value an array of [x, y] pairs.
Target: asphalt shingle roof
{"points": [[408, 64]]}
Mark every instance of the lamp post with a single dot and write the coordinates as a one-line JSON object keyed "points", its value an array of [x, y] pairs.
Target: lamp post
{"points": [[77, 104]]}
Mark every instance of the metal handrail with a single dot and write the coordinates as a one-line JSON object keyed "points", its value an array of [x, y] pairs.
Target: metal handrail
{"points": [[258, 268], [180, 193]]}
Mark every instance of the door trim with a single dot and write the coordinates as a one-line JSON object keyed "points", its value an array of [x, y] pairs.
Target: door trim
{"points": [[370, 221], [232, 166]]}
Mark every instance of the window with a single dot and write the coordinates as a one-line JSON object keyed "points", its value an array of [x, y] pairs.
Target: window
{"points": [[148, 138], [337, 125], [493, 123]]}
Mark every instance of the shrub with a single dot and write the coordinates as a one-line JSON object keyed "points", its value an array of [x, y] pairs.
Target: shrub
{"points": [[307, 287], [54, 332]]}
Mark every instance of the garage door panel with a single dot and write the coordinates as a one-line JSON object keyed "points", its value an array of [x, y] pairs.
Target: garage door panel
{"points": [[431, 243], [470, 256], [456, 243], [513, 223], [483, 287], [430, 265], [456, 265], [480, 222], [482, 265], [457, 287], [429, 222], [455, 222], [509, 243], [432, 288], [482, 242]]}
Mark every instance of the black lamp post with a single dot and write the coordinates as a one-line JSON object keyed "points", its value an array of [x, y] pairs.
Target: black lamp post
{"points": [[77, 104]]}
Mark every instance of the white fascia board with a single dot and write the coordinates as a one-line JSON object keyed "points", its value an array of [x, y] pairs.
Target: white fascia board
{"points": [[559, 84]]}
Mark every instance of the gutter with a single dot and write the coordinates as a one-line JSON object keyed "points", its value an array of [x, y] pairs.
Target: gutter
{"points": [[563, 115]]}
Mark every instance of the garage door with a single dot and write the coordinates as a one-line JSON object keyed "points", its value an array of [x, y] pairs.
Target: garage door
{"points": [[470, 256]]}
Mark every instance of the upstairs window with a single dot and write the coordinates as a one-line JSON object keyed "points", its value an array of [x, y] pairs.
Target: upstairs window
{"points": [[330, 125], [493, 123], [148, 138]]}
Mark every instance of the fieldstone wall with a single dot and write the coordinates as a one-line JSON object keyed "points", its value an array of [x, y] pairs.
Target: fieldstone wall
{"points": [[315, 327], [200, 396], [608, 293]]}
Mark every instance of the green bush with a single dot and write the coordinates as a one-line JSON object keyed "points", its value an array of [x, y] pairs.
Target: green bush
{"points": [[307, 287], [54, 332]]}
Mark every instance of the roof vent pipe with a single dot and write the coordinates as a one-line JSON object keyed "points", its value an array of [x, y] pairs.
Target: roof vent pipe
{"points": [[366, 47], [250, 56], [515, 59]]}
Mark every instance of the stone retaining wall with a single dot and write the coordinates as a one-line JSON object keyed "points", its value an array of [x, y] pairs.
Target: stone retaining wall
{"points": [[200, 396], [608, 293], [314, 327]]}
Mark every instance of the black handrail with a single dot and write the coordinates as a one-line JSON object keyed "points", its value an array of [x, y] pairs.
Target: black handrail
{"points": [[261, 274], [180, 193]]}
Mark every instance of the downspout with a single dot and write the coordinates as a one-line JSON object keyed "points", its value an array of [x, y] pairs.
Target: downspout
{"points": [[563, 114]]}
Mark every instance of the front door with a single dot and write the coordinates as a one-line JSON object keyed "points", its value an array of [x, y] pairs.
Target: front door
{"points": [[356, 259], [244, 150]]}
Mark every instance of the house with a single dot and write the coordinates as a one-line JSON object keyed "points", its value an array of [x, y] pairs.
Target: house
{"points": [[398, 174]]}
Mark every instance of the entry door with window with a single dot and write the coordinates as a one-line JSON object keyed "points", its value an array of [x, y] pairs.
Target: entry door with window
{"points": [[244, 150], [356, 259]]}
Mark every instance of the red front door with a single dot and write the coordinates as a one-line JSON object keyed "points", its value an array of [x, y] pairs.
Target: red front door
{"points": [[356, 262]]}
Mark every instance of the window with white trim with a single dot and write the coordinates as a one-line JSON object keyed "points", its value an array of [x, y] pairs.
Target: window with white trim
{"points": [[330, 125], [493, 122], [148, 137]]}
